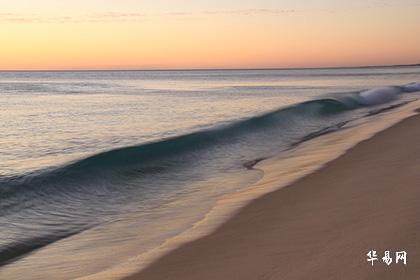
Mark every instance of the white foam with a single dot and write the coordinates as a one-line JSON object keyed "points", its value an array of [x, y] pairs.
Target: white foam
{"points": [[412, 87], [378, 95]]}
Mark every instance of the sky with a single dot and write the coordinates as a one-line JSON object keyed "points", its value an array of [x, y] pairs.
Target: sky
{"points": [[186, 34]]}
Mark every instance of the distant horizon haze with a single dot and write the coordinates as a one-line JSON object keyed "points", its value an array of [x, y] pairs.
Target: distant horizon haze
{"points": [[209, 69]]}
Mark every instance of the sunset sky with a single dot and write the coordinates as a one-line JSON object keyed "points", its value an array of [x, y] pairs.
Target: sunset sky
{"points": [[152, 34]]}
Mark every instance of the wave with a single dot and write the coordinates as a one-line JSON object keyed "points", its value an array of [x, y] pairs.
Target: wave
{"points": [[106, 175], [119, 159], [413, 87]]}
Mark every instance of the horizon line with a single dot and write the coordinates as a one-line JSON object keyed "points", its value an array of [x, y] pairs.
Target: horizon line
{"points": [[210, 69]]}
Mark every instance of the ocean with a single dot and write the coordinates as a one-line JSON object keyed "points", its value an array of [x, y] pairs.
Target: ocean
{"points": [[97, 168]]}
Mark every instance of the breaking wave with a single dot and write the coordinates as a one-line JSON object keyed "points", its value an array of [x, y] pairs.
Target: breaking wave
{"points": [[96, 182]]}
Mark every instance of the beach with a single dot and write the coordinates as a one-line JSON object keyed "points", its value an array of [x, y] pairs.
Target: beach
{"points": [[321, 226], [154, 172], [177, 140]]}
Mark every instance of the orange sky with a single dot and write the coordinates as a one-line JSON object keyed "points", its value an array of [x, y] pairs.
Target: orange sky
{"points": [[196, 34]]}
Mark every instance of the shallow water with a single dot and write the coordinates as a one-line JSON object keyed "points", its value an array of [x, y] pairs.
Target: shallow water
{"points": [[107, 165]]}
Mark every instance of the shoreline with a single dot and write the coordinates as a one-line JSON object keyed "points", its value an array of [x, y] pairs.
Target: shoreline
{"points": [[171, 262], [275, 172]]}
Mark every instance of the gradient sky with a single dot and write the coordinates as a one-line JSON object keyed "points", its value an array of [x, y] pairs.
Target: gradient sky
{"points": [[143, 34]]}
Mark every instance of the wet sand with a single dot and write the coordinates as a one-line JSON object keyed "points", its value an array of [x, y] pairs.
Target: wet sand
{"points": [[321, 226]]}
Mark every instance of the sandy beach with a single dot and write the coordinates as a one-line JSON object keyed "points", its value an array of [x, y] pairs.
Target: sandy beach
{"points": [[321, 226], [209, 140]]}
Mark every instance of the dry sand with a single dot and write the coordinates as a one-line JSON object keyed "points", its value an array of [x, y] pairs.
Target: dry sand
{"points": [[323, 225]]}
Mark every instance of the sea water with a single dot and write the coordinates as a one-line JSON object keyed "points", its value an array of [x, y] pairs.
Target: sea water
{"points": [[98, 167]]}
